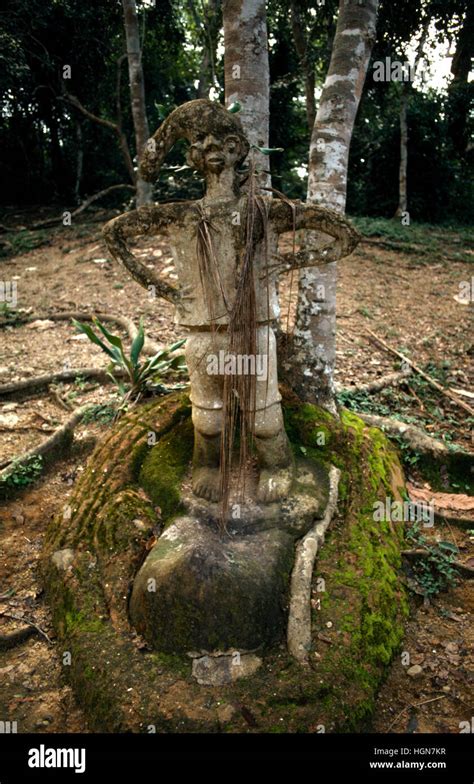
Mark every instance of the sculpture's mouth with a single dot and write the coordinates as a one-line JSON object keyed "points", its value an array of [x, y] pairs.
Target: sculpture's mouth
{"points": [[215, 157]]}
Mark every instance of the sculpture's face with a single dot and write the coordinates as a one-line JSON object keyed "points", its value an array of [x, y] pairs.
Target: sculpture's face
{"points": [[213, 154]]}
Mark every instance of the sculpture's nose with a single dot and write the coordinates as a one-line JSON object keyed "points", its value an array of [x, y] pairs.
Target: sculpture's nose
{"points": [[212, 143]]}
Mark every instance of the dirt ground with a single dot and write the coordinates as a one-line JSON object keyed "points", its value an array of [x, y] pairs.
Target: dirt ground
{"points": [[408, 299]]}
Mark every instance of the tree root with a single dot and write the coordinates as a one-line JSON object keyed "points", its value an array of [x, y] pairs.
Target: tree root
{"points": [[61, 435], [13, 639], [299, 616], [417, 440], [28, 384], [391, 379], [20, 635], [431, 381]]}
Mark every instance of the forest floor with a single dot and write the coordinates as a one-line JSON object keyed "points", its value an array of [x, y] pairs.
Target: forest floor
{"points": [[406, 284]]}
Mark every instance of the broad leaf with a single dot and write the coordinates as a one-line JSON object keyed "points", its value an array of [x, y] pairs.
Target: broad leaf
{"points": [[137, 344]]}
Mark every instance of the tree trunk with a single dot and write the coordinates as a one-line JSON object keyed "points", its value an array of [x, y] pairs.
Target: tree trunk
{"points": [[402, 175], [404, 98], [210, 22], [311, 366], [137, 92], [301, 46], [460, 90], [247, 74], [79, 163]]}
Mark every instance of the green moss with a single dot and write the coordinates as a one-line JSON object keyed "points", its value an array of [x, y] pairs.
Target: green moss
{"points": [[181, 665], [164, 467], [364, 600], [122, 688], [115, 529]]}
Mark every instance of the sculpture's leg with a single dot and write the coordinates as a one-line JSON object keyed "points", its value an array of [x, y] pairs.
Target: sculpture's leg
{"points": [[206, 457], [271, 442], [206, 398], [274, 453]]}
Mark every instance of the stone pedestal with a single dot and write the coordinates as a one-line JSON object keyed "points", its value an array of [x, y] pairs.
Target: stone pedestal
{"points": [[206, 589]]}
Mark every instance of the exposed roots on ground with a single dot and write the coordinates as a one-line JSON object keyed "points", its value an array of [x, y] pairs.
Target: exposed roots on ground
{"points": [[150, 347], [391, 379], [11, 639], [30, 384], [417, 440], [61, 436], [299, 616]]}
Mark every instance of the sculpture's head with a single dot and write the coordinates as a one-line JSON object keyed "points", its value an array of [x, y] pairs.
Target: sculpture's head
{"points": [[216, 138]]}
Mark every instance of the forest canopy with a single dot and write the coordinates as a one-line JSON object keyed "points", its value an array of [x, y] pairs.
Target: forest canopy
{"points": [[54, 153]]}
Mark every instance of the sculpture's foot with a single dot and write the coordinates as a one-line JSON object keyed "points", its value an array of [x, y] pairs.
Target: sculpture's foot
{"points": [[207, 483], [274, 484]]}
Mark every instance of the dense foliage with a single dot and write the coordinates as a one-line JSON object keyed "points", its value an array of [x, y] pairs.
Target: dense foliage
{"points": [[51, 153]]}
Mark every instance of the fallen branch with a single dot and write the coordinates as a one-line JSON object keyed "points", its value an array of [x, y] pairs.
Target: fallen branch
{"points": [[43, 224], [299, 616], [61, 435], [414, 705], [417, 440], [62, 402], [391, 379], [127, 324], [13, 639], [115, 127], [431, 381], [421, 552], [61, 376], [21, 634]]}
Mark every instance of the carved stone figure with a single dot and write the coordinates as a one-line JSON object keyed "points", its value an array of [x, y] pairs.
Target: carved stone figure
{"points": [[226, 297]]}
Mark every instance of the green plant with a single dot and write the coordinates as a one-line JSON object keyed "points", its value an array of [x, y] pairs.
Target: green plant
{"points": [[434, 572], [103, 413], [23, 241], [23, 473], [141, 375], [8, 316]]}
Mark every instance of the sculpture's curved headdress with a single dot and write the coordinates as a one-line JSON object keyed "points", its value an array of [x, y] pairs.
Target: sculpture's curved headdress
{"points": [[189, 121]]}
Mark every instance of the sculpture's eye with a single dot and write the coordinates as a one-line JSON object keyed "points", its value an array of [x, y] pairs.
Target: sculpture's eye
{"points": [[231, 144]]}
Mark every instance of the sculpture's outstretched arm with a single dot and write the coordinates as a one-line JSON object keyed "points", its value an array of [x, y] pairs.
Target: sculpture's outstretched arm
{"points": [[288, 215], [151, 219]]}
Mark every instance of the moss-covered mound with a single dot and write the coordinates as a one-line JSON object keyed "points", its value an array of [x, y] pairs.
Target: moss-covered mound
{"points": [[130, 491]]}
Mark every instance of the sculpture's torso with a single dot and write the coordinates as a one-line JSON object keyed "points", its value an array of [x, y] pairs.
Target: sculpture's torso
{"points": [[228, 235]]}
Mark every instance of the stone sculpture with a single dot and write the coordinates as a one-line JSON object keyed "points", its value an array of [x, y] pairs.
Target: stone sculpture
{"points": [[227, 298]]}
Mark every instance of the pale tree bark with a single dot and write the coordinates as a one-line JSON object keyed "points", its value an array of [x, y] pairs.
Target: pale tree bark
{"points": [[137, 92], [311, 366], [79, 163], [402, 173], [247, 74], [404, 98]]}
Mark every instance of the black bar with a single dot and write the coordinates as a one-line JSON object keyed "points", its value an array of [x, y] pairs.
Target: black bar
{"points": [[444, 757]]}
